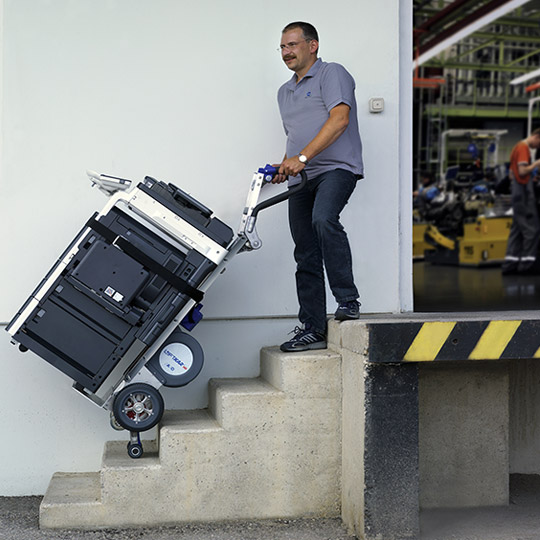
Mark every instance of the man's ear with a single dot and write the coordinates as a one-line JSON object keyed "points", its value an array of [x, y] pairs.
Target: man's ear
{"points": [[313, 46]]}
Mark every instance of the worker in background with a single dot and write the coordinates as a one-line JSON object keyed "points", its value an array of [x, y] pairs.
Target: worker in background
{"points": [[424, 195], [524, 235], [318, 110], [427, 180]]}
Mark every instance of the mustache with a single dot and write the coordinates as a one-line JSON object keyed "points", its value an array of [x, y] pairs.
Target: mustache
{"points": [[289, 57]]}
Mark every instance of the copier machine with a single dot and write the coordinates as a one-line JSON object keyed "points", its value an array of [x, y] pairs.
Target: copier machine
{"points": [[112, 312]]}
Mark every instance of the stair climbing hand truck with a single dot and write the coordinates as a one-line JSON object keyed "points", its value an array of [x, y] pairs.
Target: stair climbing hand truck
{"points": [[112, 311]]}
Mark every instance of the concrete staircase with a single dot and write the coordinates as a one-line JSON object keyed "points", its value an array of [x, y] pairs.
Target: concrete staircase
{"points": [[265, 448]]}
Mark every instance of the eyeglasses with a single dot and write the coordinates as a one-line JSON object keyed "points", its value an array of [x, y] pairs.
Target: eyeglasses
{"points": [[291, 45]]}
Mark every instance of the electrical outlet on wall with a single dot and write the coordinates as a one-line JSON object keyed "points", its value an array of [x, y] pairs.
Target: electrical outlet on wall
{"points": [[376, 105]]}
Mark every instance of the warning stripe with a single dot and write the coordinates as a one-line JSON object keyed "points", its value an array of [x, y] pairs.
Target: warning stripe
{"points": [[429, 341], [453, 340], [494, 340], [462, 340]]}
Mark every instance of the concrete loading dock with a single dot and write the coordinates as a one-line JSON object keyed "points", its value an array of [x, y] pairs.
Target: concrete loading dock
{"points": [[447, 412]]}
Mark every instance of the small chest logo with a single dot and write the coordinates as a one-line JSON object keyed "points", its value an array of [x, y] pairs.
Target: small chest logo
{"points": [[308, 94]]}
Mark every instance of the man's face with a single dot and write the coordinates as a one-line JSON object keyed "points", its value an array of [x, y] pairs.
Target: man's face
{"points": [[295, 50], [535, 142]]}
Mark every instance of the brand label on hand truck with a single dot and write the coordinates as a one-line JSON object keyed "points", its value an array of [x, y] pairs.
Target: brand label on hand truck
{"points": [[176, 359]]}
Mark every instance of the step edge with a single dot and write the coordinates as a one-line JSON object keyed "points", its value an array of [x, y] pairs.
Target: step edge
{"points": [[255, 386], [204, 417], [95, 499]]}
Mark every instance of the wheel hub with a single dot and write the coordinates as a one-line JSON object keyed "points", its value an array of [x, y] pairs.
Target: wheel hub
{"points": [[138, 408]]}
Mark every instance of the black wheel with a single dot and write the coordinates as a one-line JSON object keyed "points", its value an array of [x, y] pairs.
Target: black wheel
{"points": [[138, 407], [135, 451]]}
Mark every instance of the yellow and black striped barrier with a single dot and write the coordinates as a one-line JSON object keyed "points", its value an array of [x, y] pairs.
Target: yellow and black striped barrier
{"points": [[454, 341]]}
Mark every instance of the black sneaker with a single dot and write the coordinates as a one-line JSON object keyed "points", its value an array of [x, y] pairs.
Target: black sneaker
{"points": [[304, 340], [348, 311]]}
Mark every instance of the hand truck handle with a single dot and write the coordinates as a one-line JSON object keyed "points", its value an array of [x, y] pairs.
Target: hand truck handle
{"points": [[281, 196]]}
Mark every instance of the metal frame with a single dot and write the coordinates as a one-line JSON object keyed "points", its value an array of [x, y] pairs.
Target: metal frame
{"points": [[484, 134]]}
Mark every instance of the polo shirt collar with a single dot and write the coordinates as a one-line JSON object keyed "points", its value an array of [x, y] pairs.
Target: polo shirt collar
{"points": [[291, 84]]}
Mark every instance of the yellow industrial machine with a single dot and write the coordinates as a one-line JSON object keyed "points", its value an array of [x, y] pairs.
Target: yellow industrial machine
{"points": [[420, 246], [461, 218], [483, 242]]}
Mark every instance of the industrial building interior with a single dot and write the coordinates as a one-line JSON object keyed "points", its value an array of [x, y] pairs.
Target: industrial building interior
{"points": [[475, 96]]}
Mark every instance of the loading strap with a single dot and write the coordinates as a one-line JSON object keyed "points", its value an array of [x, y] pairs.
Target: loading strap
{"points": [[134, 252]]}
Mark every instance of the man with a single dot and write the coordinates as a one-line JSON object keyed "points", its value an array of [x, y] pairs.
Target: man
{"points": [[523, 240], [426, 192], [318, 110]]}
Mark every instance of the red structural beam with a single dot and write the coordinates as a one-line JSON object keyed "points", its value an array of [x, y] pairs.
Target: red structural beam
{"points": [[532, 87], [427, 83]]}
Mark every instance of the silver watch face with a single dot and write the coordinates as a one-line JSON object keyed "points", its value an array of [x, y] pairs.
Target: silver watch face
{"points": [[302, 158]]}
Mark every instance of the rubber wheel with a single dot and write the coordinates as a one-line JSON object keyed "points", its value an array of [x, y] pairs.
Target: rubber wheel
{"points": [[138, 407], [135, 451]]}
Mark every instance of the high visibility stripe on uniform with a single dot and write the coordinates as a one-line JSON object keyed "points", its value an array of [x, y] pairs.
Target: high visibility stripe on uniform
{"points": [[494, 340], [429, 341]]}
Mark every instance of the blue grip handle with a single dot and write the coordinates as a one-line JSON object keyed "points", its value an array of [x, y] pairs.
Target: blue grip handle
{"points": [[269, 172]]}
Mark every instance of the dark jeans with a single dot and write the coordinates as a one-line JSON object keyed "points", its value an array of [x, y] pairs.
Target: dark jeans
{"points": [[320, 239]]}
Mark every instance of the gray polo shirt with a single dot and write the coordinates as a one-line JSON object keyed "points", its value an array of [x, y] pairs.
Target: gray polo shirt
{"points": [[304, 109]]}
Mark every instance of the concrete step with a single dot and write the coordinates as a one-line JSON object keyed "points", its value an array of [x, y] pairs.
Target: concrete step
{"points": [[267, 447], [180, 430], [313, 374], [71, 500], [243, 403]]}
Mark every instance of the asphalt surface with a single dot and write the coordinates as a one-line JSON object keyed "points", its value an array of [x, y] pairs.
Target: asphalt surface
{"points": [[520, 520], [19, 520]]}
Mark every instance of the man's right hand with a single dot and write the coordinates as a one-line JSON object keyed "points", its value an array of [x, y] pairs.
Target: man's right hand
{"points": [[279, 178]]}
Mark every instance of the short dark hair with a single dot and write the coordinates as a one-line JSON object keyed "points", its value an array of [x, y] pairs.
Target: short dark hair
{"points": [[309, 31], [429, 175]]}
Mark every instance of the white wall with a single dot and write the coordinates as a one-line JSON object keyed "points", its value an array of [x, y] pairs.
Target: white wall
{"points": [[185, 92]]}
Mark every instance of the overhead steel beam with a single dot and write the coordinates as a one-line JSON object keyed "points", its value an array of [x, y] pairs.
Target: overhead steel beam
{"points": [[465, 27], [477, 48], [508, 37], [482, 67], [530, 22], [449, 10]]}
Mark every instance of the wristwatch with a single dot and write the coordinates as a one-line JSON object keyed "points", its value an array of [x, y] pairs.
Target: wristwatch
{"points": [[302, 159]]}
